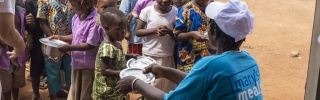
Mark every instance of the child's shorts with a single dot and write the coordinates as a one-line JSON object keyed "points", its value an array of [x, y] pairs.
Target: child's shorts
{"points": [[135, 49], [12, 78]]}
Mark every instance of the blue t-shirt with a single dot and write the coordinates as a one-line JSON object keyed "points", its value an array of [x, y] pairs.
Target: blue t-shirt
{"points": [[228, 76]]}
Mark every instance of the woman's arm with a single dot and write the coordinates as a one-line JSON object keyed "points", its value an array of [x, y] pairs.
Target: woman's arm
{"points": [[106, 68], [141, 32]]}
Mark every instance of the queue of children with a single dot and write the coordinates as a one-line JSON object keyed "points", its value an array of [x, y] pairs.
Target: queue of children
{"points": [[169, 31]]}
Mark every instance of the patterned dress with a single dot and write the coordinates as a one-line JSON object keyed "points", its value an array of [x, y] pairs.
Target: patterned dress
{"points": [[57, 14], [118, 3], [103, 87], [191, 18]]}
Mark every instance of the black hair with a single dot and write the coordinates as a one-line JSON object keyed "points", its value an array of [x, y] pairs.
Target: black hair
{"points": [[88, 4], [225, 41], [111, 15]]}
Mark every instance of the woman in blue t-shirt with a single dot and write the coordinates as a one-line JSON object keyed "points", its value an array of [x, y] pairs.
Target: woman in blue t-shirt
{"points": [[231, 74]]}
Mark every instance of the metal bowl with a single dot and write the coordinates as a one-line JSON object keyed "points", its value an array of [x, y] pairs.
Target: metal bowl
{"points": [[140, 62], [138, 73], [50, 48]]}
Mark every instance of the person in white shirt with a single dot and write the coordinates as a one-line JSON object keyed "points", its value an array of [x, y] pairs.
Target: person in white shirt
{"points": [[159, 42], [8, 32]]}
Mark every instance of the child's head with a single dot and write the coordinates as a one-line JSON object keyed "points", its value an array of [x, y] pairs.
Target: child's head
{"points": [[231, 23], [103, 4], [81, 6], [114, 22], [164, 4], [179, 3]]}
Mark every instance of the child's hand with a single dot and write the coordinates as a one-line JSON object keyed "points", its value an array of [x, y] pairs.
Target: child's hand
{"points": [[54, 37], [64, 48], [29, 42], [128, 36], [30, 20], [162, 30], [198, 37]]}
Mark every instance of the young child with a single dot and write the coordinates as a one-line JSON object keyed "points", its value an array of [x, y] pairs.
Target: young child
{"points": [[110, 59], [54, 20], [35, 33], [85, 41], [134, 42], [103, 4], [14, 78], [180, 3], [190, 26], [159, 43]]}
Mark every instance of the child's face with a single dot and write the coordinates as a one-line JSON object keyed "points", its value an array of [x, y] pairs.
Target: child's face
{"points": [[117, 30], [202, 3], [179, 3], [77, 7], [164, 4], [103, 4]]}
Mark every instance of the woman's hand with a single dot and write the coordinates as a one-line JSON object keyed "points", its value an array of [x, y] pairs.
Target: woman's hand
{"points": [[156, 69], [124, 85]]}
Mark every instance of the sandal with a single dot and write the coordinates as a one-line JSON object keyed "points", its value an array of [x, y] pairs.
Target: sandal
{"points": [[43, 86]]}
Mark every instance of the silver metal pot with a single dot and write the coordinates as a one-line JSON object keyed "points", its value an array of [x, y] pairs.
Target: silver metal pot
{"points": [[50, 48]]}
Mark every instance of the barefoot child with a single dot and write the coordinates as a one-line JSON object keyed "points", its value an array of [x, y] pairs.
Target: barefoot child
{"points": [[110, 59], [191, 23], [85, 41], [14, 78], [159, 43]]}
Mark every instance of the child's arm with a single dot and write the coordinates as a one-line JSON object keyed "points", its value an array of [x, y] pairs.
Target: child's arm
{"points": [[106, 68], [191, 35], [66, 38], [30, 21], [80, 47], [29, 41], [44, 26], [141, 32]]}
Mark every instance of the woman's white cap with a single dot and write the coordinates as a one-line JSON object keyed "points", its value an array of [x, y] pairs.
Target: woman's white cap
{"points": [[233, 18]]}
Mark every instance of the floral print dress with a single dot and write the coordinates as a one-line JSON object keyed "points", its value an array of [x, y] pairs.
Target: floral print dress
{"points": [[191, 18], [103, 87]]}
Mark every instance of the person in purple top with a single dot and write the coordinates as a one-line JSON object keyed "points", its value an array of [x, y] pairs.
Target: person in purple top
{"points": [[141, 4], [85, 41], [14, 78]]}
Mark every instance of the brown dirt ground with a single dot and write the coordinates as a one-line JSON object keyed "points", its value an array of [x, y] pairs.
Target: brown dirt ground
{"points": [[281, 26]]}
